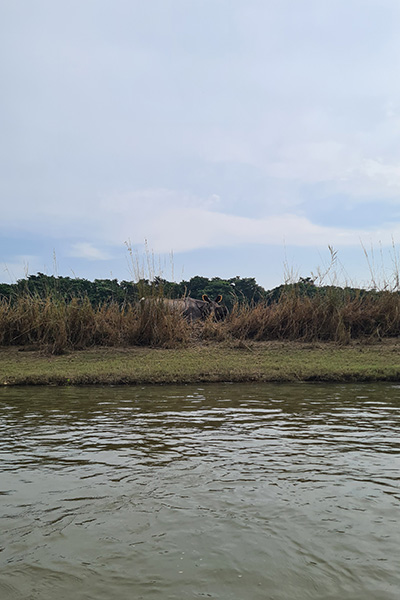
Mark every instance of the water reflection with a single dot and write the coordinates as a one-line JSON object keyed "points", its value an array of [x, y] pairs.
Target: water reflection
{"points": [[225, 491]]}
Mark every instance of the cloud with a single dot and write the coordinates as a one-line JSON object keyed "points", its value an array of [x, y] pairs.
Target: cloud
{"points": [[88, 251], [179, 221], [173, 221], [387, 174], [120, 123], [194, 229]]}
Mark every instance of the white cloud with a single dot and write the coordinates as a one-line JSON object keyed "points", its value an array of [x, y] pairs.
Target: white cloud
{"points": [[88, 251], [387, 174], [371, 179], [175, 222], [194, 229], [312, 162], [293, 98]]}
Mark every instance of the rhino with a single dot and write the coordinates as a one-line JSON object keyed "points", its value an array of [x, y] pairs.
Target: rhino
{"points": [[195, 310], [201, 309]]}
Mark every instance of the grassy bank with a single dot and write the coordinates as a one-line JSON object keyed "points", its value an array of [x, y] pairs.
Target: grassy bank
{"points": [[240, 362]]}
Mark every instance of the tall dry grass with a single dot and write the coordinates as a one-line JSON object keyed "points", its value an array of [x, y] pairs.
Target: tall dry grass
{"points": [[55, 325], [306, 314], [335, 316]]}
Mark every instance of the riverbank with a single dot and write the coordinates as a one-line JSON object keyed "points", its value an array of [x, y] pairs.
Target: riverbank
{"points": [[262, 362]]}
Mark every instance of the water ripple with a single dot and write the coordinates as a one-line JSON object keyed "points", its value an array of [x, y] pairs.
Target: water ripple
{"points": [[223, 491]]}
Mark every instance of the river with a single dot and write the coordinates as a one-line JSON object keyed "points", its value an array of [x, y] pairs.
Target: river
{"points": [[256, 492]]}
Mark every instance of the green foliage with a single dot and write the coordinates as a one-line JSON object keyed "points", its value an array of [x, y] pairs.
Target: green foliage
{"points": [[236, 290], [6, 291], [100, 291]]}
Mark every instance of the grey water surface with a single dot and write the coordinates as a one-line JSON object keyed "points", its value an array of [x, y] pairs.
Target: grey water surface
{"points": [[217, 491]]}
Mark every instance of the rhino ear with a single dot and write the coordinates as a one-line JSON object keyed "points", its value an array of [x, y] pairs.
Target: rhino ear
{"points": [[218, 299], [206, 298]]}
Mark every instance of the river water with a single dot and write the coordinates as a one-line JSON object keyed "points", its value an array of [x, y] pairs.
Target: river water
{"points": [[251, 492]]}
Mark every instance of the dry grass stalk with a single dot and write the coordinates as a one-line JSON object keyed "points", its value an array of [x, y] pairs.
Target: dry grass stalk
{"points": [[335, 315]]}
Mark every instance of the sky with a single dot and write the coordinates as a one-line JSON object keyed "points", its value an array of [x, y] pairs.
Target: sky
{"points": [[211, 137]]}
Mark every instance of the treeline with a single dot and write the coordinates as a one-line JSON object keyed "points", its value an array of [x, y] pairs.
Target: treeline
{"points": [[237, 290], [101, 291]]}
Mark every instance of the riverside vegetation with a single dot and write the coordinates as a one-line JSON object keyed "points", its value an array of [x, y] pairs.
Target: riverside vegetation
{"points": [[296, 331], [44, 312]]}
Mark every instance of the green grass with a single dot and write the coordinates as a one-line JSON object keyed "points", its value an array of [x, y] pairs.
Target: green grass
{"points": [[263, 361]]}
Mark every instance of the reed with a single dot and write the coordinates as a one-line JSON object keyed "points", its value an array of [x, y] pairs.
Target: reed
{"points": [[154, 324], [337, 315], [56, 325], [301, 311]]}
